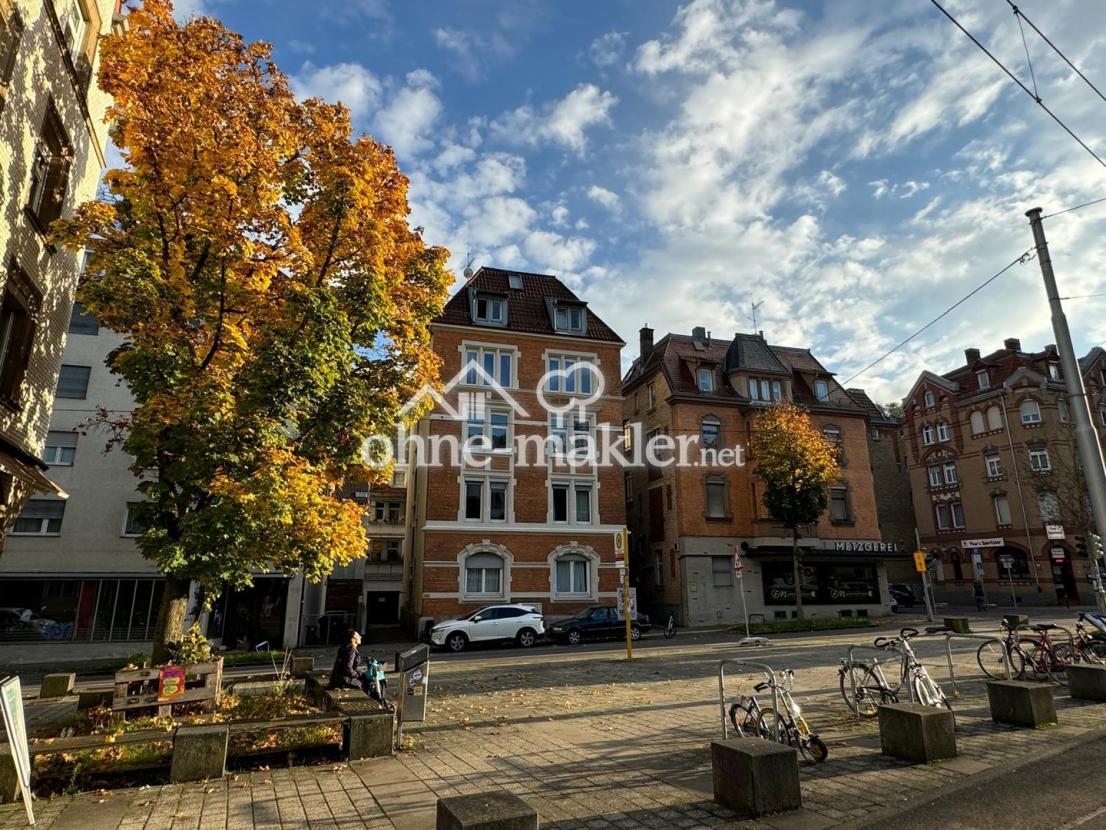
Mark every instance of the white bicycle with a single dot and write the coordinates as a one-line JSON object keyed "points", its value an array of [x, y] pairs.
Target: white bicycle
{"points": [[865, 686]]}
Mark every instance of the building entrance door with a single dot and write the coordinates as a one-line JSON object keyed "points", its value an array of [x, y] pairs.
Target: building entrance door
{"points": [[382, 607], [1063, 576]]}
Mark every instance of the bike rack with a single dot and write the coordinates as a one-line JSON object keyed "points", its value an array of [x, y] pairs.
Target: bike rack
{"points": [[883, 650], [983, 638], [769, 674], [1037, 634]]}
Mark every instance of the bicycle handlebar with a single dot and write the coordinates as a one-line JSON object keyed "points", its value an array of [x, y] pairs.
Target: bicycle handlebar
{"points": [[760, 687], [907, 633], [881, 642]]}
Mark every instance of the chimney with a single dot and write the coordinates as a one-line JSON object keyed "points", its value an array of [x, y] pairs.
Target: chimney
{"points": [[1051, 349], [971, 355], [699, 333], [646, 342], [1013, 344]]}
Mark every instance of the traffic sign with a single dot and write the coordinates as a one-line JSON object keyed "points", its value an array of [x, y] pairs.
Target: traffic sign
{"points": [[620, 543], [1007, 561], [738, 565], [920, 561]]}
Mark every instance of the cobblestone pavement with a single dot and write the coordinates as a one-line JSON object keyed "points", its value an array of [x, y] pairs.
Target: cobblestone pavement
{"points": [[592, 741]]}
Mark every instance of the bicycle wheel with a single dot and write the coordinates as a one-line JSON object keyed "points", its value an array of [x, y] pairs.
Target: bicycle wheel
{"points": [[990, 660], [862, 691], [928, 691], [1094, 650], [1045, 664], [815, 749], [773, 727], [747, 725]]}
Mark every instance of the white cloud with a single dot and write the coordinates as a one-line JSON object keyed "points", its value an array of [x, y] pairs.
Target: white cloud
{"points": [[897, 190], [406, 120], [472, 50], [832, 183], [564, 122], [604, 197], [351, 83], [607, 50]]}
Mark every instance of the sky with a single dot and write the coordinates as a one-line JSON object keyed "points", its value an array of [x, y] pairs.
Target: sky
{"points": [[853, 167]]}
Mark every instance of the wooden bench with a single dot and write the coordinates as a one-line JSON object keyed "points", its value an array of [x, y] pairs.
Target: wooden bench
{"points": [[137, 689]]}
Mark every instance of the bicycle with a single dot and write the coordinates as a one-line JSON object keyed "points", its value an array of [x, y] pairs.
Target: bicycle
{"points": [[749, 707], [1043, 658], [790, 728], [670, 627], [1085, 648], [867, 686]]}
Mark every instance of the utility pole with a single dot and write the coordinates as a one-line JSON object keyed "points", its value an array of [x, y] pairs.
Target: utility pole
{"points": [[1086, 439]]}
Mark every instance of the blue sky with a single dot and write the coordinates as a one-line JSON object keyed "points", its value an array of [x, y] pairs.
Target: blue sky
{"points": [[855, 166]]}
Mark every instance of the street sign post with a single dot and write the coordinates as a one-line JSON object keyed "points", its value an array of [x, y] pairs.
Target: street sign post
{"points": [[622, 553], [1008, 562], [15, 727]]}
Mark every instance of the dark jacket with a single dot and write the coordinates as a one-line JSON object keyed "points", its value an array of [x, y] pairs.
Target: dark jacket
{"points": [[344, 675]]}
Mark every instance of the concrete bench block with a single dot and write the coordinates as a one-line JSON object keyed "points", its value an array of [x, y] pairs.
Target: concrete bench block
{"points": [[916, 733], [1015, 620], [369, 735], [302, 665], [958, 624], [87, 700], [1021, 702], [335, 698], [199, 753], [57, 685], [9, 782], [486, 811], [1087, 682], [754, 777]]}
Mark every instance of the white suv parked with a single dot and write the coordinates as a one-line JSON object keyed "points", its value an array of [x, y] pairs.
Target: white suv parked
{"points": [[519, 623]]}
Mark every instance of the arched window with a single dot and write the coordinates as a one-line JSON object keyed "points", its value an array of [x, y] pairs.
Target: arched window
{"points": [[485, 572], [573, 572], [1030, 411], [942, 431], [1018, 563], [929, 398], [994, 418], [978, 425], [927, 434]]}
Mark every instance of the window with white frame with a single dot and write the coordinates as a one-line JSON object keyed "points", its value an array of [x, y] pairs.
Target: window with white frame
{"points": [[392, 550], [570, 318], [497, 365], [484, 499], [574, 373], [652, 397], [573, 574], [821, 389], [709, 432], [490, 429], [983, 379], [1054, 371], [950, 516], [40, 517], [993, 465], [978, 425], [994, 418], [950, 472], [942, 431], [135, 523], [1030, 411], [762, 389], [571, 434], [928, 434], [1065, 415], [484, 575], [572, 502], [935, 479], [388, 512], [1049, 506], [705, 379], [1002, 510], [929, 398], [1039, 460], [489, 310], [61, 448]]}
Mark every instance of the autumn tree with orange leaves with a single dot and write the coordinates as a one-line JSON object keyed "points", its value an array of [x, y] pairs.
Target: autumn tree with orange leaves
{"points": [[798, 466], [274, 300]]}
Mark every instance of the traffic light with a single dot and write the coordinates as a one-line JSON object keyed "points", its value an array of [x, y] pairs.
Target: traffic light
{"points": [[1081, 546], [1096, 545]]}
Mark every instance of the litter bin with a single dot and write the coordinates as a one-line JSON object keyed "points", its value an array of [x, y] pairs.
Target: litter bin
{"points": [[413, 666]]}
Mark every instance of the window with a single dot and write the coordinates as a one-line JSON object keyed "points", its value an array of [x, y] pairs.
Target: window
{"points": [[977, 423], [492, 432], [983, 379], [942, 431], [572, 437], [705, 378], [627, 435], [1002, 510], [1030, 412], [721, 568], [993, 465], [1019, 565], [388, 512], [17, 331], [392, 550], [49, 171], [950, 516], [709, 432], [658, 568], [514, 282], [490, 310], [1049, 506], [943, 517], [572, 574], [569, 319], [135, 524], [1062, 410], [40, 517], [1054, 371], [485, 499], [927, 434], [399, 478], [652, 398], [496, 363], [628, 481], [839, 504], [81, 322], [994, 418], [929, 398], [484, 574], [950, 472], [74, 25], [73, 382], [1039, 460], [956, 509], [61, 448], [11, 29], [765, 390], [935, 476], [579, 373], [821, 390], [717, 498], [572, 502]]}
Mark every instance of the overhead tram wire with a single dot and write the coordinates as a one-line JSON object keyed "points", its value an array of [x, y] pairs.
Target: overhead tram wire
{"points": [[1074, 208], [1014, 78], [1021, 16], [1020, 258]]}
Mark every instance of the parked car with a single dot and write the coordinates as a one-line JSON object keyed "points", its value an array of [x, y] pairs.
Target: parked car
{"points": [[902, 595], [521, 624], [597, 622]]}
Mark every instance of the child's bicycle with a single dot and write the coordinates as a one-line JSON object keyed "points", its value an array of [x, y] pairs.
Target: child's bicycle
{"points": [[790, 727]]}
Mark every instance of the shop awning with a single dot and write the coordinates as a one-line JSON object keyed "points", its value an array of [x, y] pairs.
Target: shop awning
{"points": [[29, 474]]}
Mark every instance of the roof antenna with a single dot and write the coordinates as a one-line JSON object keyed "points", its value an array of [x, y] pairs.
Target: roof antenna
{"points": [[753, 318], [468, 267]]}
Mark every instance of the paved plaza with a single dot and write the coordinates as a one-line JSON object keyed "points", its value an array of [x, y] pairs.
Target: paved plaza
{"points": [[593, 741]]}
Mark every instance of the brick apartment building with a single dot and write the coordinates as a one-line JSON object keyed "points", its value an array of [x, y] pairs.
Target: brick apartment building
{"points": [[686, 521], [992, 460], [498, 527]]}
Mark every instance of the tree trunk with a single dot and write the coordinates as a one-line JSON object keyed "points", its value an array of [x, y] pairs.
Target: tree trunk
{"points": [[170, 616], [795, 567]]}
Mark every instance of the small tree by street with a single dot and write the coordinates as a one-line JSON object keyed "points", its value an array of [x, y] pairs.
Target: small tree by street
{"points": [[798, 466], [274, 300]]}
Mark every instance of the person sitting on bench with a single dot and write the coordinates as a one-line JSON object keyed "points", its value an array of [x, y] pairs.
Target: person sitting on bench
{"points": [[347, 670]]}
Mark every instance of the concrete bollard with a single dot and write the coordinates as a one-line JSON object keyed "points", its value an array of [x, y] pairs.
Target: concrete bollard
{"points": [[9, 782], [57, 685], [916, 733], [1015, 620], [87, 700], [496, 810], [302, 666], [199, 753], [754, 777], [368, 735], [1021, 702], [958, 624], [1086, 682]]}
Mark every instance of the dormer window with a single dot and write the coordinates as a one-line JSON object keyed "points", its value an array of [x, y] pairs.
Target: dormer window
{"points": [[983, 379], [569, 319], [490, 310], [929, 399], [821, 390], [705, 379], [1054, 371], [514, 281]]}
